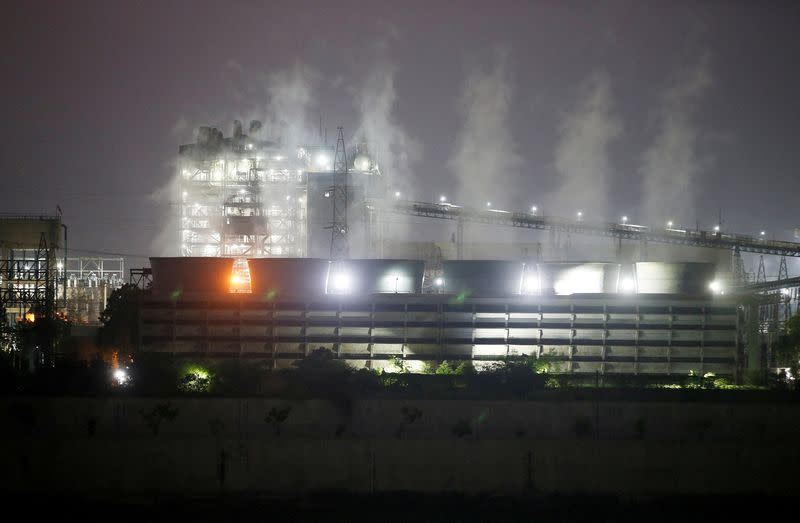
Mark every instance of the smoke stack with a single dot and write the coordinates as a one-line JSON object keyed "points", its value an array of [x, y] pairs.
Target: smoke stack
{"points": [[255, 126]]}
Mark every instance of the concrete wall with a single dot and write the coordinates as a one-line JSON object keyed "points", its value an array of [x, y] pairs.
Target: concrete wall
{"points": [[106, 446]]}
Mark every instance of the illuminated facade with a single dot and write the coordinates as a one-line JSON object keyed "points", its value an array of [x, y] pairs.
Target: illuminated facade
{"points": [[243, 196], [370, 312]]}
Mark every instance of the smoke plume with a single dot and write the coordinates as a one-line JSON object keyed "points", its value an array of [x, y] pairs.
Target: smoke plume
{"points": [[287, 99], [486, 153], [582, 154], [291, 94], [388, 142], [671, 163]]}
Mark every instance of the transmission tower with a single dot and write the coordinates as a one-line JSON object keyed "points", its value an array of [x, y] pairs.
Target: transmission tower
{"points": [[783, 272], [340, 248], [738, 267], [762, 273]]}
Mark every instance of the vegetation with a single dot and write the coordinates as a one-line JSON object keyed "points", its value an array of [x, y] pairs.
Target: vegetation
{"points": [[787, 349], [159, 413], [120, 320], [276, 417]]}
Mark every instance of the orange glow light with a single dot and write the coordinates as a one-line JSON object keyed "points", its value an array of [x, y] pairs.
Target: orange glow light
{"points": [[240, 277]]}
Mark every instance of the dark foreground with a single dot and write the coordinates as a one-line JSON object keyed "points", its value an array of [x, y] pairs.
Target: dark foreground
{"points": [[335, 506]]}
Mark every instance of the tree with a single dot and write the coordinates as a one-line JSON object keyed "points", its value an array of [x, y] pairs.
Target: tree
{"points": [[6, 331], [120, 320], [787, 348]]}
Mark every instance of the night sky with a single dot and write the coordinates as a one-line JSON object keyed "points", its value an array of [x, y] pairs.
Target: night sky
{"points": [[609, 97]]}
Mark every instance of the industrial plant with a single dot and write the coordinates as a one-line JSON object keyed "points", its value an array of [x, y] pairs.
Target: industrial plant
{"points": [[284, 252]]}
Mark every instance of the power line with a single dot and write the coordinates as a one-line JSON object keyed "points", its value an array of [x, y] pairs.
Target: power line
{"points": [[107, 253]]}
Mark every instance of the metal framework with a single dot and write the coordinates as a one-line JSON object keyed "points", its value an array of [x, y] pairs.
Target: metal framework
{"points": [[142, 278], [91, 271], [241, 197], [28, 280], [675, 236], [340, 248]]}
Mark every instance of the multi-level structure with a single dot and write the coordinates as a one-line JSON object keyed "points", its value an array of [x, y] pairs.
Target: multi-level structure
{"points": [[644, 318], [90, 282], [29, 265], [243, 196]]}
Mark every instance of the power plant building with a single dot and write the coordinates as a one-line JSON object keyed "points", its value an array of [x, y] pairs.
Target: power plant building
{"points": [[243, 196], [651, 319]]}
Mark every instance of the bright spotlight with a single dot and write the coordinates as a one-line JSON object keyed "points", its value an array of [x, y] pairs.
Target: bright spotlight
{"points": [[785, 292], [627, 285], [342, 282], [488, 204], [624, 219], [60, 265], [715, 286], [762, 233], [531, 285], [236, 279], [327, 194], [438, 282], [669, 224], [716, 228], [322, 161], [120, 376], [533, 210], [397, 194], [443, 198], [580, 215], [362, 163]]}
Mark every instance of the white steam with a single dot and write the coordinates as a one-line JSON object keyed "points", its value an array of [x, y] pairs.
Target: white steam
{"points": [[486, 154], [671, 164], [387, 141], [289, 98], [582, 154], [395, 151], [291, 94]]}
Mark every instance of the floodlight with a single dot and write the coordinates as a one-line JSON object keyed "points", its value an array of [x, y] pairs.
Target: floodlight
{"points": [[342, 282], [627, 285], [531, 284], [120, 376], [322, 161]]}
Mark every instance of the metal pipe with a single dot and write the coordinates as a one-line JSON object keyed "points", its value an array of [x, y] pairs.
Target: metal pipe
{"points": [[64, 273]]}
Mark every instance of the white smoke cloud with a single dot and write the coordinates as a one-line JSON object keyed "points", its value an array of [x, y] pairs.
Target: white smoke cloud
{"points": [[671, 164], [288, 98], [292, 96], [388, 143], [582, 155], [395, 150], [486, 154]]}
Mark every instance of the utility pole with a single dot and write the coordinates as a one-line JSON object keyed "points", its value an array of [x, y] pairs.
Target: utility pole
{"points": [[340, 248]]}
